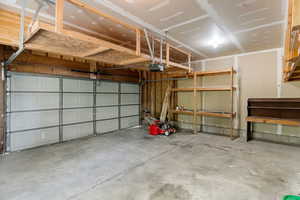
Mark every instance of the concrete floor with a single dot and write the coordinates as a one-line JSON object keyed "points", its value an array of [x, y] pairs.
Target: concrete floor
{"points": [[129, 165]]}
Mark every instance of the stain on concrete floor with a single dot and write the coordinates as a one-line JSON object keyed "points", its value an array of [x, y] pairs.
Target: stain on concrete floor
{"points": [[171, 192]]}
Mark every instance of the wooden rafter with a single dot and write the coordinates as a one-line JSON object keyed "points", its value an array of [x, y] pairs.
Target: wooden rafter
{"points": [[59, 15]]}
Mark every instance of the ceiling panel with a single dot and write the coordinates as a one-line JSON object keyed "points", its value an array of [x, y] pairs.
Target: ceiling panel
{"points": [[263, 38], [162, 13], [205, 36], [244, 14]]}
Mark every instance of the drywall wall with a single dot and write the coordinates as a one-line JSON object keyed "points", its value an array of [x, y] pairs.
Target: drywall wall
{"points": [[259, 75]]}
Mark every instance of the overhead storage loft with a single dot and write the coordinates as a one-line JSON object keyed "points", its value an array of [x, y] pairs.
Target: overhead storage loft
{"points": [[292, 44], [141, 47]]}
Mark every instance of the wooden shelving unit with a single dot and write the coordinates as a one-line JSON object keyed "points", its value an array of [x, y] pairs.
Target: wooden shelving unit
{"points": [[195, 89], [201, 89]]}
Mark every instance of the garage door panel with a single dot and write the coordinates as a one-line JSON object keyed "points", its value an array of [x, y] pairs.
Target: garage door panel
{"points": [[34, 138], [107, 113], [129, 122], [30, 120], [107, 99], [32, 101], [74, 85], [106, 86], [33, 83], [77, 115], [129, 110], [107, 126], [77, 100], [77, 131], [129, 88], [33, 104], [129, 99]]}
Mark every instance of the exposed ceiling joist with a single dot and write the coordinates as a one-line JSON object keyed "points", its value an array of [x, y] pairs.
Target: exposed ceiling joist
{"points": [[219, 22], [186, 22], [259, 27]]}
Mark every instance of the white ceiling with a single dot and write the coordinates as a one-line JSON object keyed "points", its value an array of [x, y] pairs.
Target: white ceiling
{"points": [[198, 25]]}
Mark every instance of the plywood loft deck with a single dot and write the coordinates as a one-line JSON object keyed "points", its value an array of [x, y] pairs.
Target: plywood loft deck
{"points": [[59, 40]]}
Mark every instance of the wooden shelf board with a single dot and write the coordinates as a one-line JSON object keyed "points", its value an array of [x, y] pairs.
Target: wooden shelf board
{"points": [[214, 73], [205, 73], [202, 113], [270, 120], [201, 89]]}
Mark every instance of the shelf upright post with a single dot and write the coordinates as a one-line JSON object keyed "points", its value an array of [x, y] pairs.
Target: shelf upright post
{"points": [[231, 104], [195, 103]]}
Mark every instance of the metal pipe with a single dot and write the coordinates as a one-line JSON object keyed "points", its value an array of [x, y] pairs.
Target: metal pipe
{"points": [[21, 37], [161, 49], [22, 22]]}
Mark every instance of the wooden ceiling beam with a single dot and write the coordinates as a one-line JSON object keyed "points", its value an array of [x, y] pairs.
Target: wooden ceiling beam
{"points": [[134, 61], [95, 51]]}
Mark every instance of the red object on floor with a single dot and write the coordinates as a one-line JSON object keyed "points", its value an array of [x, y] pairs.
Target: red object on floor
{"points": [[155, 130]]}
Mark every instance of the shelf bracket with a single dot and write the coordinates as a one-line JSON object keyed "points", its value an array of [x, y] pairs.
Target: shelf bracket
{"points": [[21, 37]]}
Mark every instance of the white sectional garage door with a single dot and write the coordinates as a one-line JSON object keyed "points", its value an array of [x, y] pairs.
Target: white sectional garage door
{"points": [[129, 109], [45, 110]]}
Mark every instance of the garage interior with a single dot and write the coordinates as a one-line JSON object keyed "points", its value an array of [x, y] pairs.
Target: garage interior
{"points": [[158, 100]]}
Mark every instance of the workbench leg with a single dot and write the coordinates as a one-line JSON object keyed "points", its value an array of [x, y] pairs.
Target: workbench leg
{"points": [[249, 131]]}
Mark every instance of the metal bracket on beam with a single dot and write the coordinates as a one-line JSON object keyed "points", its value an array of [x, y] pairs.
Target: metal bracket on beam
{"points": [[21, 37], [41, 4]]}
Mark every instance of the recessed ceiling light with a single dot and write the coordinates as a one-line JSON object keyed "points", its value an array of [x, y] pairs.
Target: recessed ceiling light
{"points": [[130, 1], [216, 41]]}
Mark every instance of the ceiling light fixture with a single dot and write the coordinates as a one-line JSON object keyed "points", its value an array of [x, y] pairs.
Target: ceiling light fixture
{"points": [[216, 41]]}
